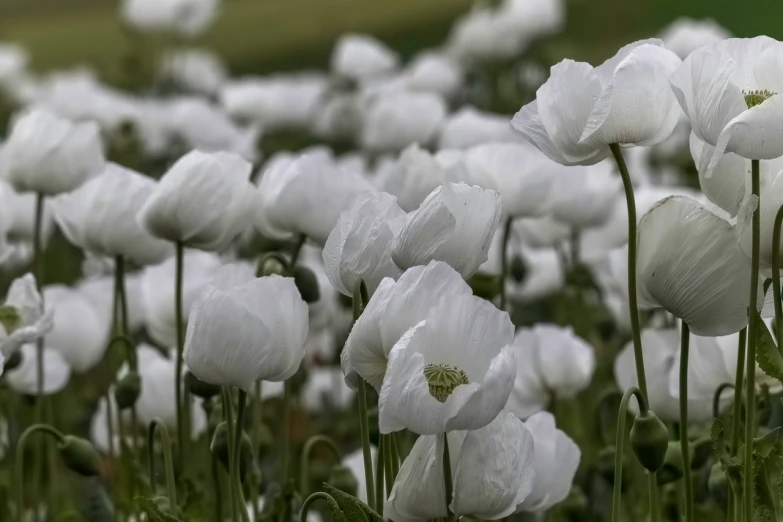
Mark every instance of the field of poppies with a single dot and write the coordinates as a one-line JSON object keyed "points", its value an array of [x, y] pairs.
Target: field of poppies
{"points": [[442, 268]]}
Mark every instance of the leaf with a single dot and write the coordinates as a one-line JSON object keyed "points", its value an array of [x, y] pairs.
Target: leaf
{"points": [[765, 501], [354, 509], [153, 511], [718, 444], [767, 355], [763, 446]]}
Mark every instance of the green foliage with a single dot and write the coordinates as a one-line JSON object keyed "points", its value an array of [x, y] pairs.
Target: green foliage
{"points": [[153, 511], [354, 509], [767, 355]]}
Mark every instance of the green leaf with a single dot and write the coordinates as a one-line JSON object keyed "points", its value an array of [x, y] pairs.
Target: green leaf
{"points": [[718, 444], [354, 509], [763, 446], [153, 511], [766, 502], [767, 355]]}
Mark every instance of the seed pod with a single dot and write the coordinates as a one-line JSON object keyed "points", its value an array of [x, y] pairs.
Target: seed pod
{"points": [[307, 284], [343, 479], [649, 440], [200, 388], [127, 390], [80, 455]]}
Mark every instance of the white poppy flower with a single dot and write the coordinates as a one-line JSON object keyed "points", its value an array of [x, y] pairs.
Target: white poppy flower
{"points": [[393, 310], [50, 155], [158, 292], [394, 120], [534, 18], [555, 459], [285, 101], [492, 472], [543, 232], [197, 70], [186, 17], [544, 276], [100, 291], [13, 63], [158, 391], [452, 371], [325, 388], [455, 224], [519, 173], [23, 208], [584, 197], [80, 332], [24, 378], [730, 92], [99, 424], [685, 35], [660, 349], [485, 34], [412, 176], [689, 264], [359, 57], [355, 462], [339, 116], [24, 319], [359, 246], [726, 185], [204, 201], [469, 127], [244, 329], [305, 195], [100, 216], [581, 109], [552, 360], [433, 72]]}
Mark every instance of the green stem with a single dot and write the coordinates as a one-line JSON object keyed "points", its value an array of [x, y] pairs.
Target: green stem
{"points": [[388, 464], [776, 276], [750, 377], [110, 423], [178, 318], [396, 457], [685, 446], [297, 250], [284, 472], [620, 450], [359, 299], [717, 396], [228, 417], [19, 464], [171, 488], [238, 432], [38, 271], [319, 495], [504, 261], [379, 471], [738, 377], [313, 441], [447, 479]]}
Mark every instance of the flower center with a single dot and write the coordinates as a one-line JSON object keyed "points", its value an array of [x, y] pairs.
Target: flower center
{"points": [[10, 318], [753, 98], [443, 378]]}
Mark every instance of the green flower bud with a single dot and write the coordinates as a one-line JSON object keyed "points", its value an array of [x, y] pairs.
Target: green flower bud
{"points": [[718, 485], [127, 390], [307, 284], [219, 448], [80, 455], [517, 269], [13, 361], [672, 464], [10, 318], [649, 440], [200, 388], [271, 266], [343, 479]]}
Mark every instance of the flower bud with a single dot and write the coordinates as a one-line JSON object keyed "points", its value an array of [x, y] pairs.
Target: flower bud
{"points": [[649, 440], [307, 284], [200, 388], [12, 362], [718, 485], [270, 265], [127, 391], [517, 269], [343, 479], [219, 448], [80, 455]]}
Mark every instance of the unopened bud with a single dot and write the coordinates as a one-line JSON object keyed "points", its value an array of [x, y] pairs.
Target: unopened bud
{"points": [[200, 388], [13, 361], [219, 448], [270, 266], [343, 479], [307, 284], [10, 318], [517, 269], [80, 455], [649, 440], [127, 390]]}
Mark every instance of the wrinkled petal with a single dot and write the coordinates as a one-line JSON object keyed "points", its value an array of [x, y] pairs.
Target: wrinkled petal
{"points": [[726, 186]]}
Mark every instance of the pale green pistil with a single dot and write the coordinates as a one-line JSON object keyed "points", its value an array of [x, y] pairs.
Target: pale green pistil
{"points": [[10, 318], [753, 98], [443, 378]]}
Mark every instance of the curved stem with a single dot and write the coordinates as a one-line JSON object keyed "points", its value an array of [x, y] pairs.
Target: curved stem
{"points": [[504, 261], [776, 276], [685, 446], [168, 461], [319, 495], [750, 371], [19, 463], [447, 475], [237, 476], [304, 480], [178, 317], [737, 409], [620, 448], [228, 416], [717, 396]]}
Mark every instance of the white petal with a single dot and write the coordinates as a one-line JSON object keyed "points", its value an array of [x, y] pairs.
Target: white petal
{"points": [[528, 122], [756, 133], [419, 493], [726, 186]]}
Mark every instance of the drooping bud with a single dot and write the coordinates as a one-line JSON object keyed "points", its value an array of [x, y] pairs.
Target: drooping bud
{"points": [[80, 455], [10, 318], [343, 479], [517, 269], [200, 388], [13, 361], [307, 284], [127, 390], [649, 440]]}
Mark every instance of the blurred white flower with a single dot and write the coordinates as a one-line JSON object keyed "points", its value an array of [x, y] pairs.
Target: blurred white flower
{"points": [[533, 18], [186, 17], [772, 199], [552, 360], [544, 275], [468, 127], [13, 63], [195, 70], [244, 329], [203, 201], [100, 216], [305, 195], [689, 264], [50, 155], [584, 197], [726, 185], [580, 110], [339, 116], [543, 232], [22, 316], [412, 176], [433, 72], [492, 472], [395, 120], [24, 378], [685, 35], [23, 208], [480, 35], [325, 388], [80, 332], [555, 460], [455, 224], [395, 308], [355, 462], [359, 57], [100, 291], [99, 424]]}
